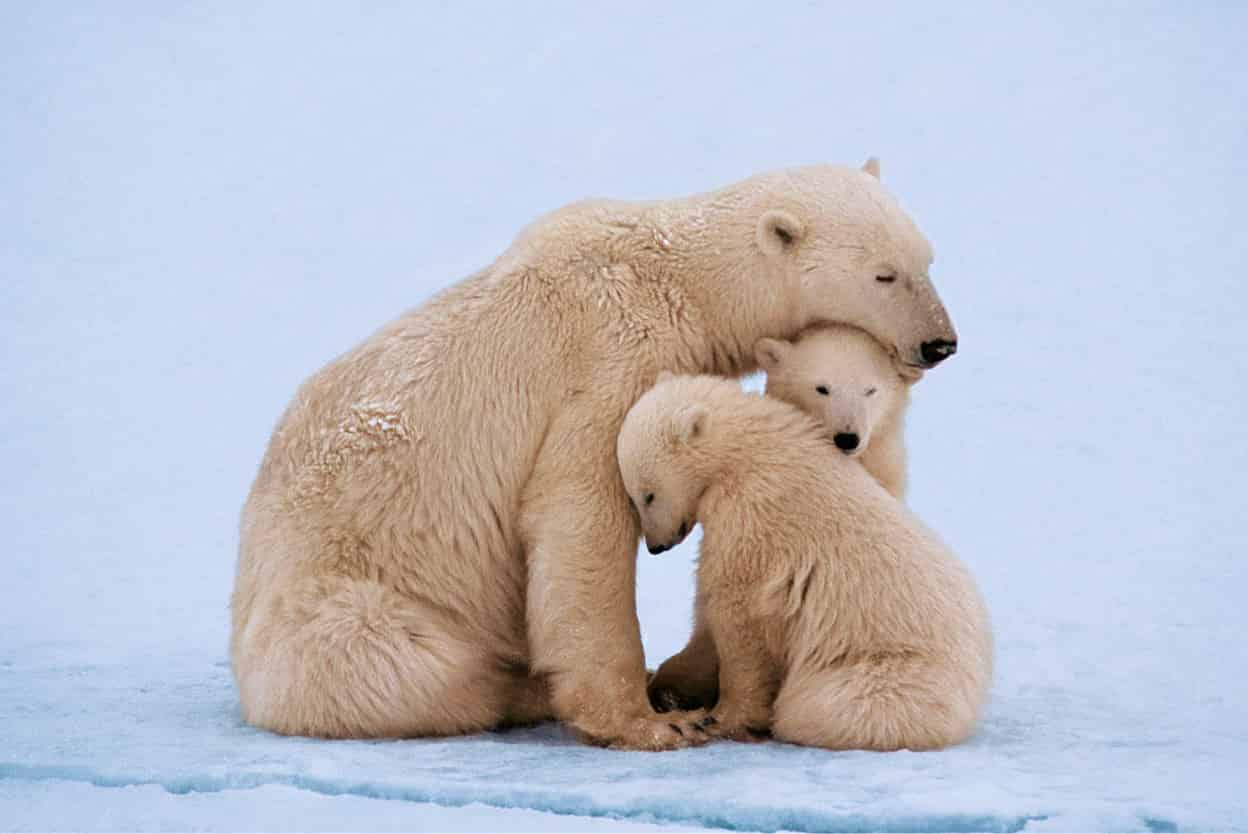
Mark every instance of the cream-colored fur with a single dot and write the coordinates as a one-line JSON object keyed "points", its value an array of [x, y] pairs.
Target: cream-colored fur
{"points": [[847, 381], [437, 540], [839, 619]]}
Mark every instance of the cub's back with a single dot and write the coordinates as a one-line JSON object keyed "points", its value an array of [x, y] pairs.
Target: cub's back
{"points": [[848, 567]]}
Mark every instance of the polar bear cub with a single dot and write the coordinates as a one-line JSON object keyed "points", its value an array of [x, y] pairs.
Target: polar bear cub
{"points": [[849, 382], [839, 619]]}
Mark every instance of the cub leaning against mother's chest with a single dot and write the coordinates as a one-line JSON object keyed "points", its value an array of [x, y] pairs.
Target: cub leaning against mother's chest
{"points": [[839, 619]]}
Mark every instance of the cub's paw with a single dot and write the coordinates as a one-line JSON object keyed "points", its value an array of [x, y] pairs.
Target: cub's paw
{"points": [[669, 690], [667, 699], [734, 728]]}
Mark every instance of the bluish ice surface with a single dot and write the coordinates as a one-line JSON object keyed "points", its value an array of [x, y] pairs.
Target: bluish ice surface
{"points": [[201, 204]]}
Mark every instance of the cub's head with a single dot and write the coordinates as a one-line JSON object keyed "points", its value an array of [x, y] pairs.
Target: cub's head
{"points": [[839, 375], [663, 456], [856, 258]]}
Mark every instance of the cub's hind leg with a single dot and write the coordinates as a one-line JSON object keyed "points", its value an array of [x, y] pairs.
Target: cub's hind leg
{"points": [[883, 703]]}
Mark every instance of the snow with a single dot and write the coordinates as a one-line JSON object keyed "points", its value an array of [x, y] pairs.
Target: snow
{"points": [[205, 204], [1049, 757], [61, 805]]}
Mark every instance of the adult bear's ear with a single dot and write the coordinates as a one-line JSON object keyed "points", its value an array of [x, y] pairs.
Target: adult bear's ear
{"points": [[770, 353], [779, 231], [872, 166], [689, 424]]}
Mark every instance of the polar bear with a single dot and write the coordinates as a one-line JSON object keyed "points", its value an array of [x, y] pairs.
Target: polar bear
{"points": [[437, 540], [840, 620], [847, 381]]}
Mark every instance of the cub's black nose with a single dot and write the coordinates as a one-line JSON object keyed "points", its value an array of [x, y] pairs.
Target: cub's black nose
{"points": [[937, 351], [845, 441], [656, 549]]}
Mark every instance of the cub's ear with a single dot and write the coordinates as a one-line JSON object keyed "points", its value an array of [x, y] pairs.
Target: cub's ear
{"points": [[689, 424], [779, 231], [664, 376], [872, 166], [770, 353]]}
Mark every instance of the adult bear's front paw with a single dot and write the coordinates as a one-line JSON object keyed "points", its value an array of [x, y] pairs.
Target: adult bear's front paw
{"points": [[672, 731]]}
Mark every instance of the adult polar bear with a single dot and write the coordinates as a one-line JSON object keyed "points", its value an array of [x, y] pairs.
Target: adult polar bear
{"points": [[438, 540]]}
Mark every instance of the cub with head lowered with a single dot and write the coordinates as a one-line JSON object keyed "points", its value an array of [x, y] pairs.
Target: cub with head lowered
{"points": [[838, 618]]}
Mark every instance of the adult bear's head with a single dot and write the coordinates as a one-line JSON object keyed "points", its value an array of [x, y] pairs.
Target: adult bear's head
{"points": [[857, 257]]}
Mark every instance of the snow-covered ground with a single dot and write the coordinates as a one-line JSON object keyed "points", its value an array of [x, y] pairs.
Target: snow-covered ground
{"points": [[68, 805], [201, 204]]}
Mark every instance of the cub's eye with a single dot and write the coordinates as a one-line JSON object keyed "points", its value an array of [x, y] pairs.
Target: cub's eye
{"points": [[822, 389], [649, 498], [869, 392], [886, 279]]}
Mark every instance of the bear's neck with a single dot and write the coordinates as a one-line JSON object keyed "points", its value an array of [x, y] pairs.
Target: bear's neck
{"points": [[885, 458], [769, 459], [722, 297]]}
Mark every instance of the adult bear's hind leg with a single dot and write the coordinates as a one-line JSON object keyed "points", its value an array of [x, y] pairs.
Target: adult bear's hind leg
{"points": [[351, 658]]}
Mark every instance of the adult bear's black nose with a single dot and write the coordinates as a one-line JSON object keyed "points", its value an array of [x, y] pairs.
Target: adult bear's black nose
{"points": [[845, 441], [656, 549], [937, 351]]}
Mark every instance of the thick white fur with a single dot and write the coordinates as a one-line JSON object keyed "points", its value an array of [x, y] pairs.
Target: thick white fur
{"points": [[437, 540], [839, 619], [847, 381], [847, 363]]}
